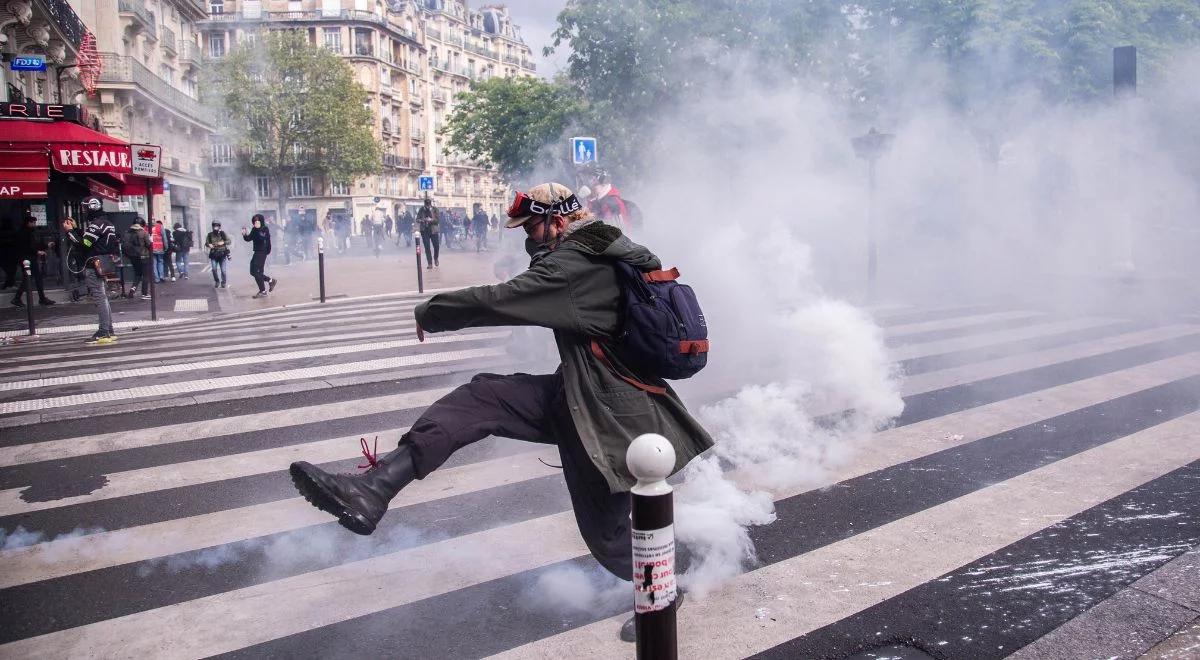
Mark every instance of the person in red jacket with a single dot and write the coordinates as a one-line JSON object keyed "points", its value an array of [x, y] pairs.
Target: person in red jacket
{"points": [[606, 202]]}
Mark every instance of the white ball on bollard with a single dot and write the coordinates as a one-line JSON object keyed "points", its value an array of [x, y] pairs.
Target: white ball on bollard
{"points": [[650, 458]]}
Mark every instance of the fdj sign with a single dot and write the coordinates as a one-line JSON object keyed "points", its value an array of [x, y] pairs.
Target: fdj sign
{"points": [[29, 63], [425, 182], [583, 150]]}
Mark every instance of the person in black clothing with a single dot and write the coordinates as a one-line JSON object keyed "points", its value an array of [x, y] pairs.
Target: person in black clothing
{"points": [[30, 247], [8, 253], [428, 221], [261, 237], [181, 239], [479, 227], [404, 227]]}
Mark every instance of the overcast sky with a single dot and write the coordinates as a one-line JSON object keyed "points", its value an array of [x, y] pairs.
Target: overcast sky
{"points": [[537, 19]]}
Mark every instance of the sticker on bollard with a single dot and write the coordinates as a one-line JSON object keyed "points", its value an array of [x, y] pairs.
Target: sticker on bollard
{"points": [[653, 569]]}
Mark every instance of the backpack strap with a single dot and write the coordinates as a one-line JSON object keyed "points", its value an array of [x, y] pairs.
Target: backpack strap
{"points": [[661, 275], [598, 351]]}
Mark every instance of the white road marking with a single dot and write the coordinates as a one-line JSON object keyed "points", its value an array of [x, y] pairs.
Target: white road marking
{"points": [[888, 448], [209, 384], [824, 586], [323, 351]]}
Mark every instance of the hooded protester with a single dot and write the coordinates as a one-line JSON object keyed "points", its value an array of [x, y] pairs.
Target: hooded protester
{"points": [[217, 243], [95, 252], [136, 245], [592, 407], [429, 223], [181, 238], [479, 227], [30, 247], [261, 237]]}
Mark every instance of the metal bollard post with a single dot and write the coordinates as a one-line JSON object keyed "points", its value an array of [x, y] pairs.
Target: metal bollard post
{"points": [[651, 458], [321, 265], [153, 293], [29, 297], [420, 274]]}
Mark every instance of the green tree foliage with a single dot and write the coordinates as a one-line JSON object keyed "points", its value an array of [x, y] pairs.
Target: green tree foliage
{"points": [[508, 121], [296, 109]]}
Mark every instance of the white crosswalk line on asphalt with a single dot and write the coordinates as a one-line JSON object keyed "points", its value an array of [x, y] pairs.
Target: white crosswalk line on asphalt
{"points": [[1020, 506], [888, 448], [965, 321], [256, 358], [209, 384], [76, 554], [897, 556], [153, 436], [982, 339]]}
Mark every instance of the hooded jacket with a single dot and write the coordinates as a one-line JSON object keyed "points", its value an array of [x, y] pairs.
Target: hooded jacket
{"points": [[573, 290], [136, 242]]}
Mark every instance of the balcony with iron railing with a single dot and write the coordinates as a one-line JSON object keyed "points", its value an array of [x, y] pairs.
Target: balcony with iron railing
{"points": [[136, 10], [417, 134], [126, 69], [314, 15], [403, 162], [67, 21], [527, 64], [189, 52], [168, 40], [439, 95]]}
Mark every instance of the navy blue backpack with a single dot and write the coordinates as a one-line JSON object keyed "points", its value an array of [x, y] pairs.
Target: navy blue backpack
{"points": [[663, 333]]}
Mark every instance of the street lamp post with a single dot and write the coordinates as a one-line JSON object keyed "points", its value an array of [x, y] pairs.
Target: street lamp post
{"points": [[870, 147]]}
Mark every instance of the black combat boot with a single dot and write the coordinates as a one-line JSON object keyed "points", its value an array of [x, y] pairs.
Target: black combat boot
{"points": [[358, 500]]}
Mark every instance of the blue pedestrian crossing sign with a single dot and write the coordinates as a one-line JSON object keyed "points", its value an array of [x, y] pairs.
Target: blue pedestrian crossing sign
{"points": [[425, 182], [583, 150]]}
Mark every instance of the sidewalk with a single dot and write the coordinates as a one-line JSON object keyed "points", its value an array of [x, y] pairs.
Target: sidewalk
{"points": [[179, 300], [355, 275]]}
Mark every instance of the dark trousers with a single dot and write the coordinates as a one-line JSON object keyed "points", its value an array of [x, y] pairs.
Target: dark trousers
{"points": [[534, 409], [257, 263], [138, 265], [35, 269], [431, 253]]}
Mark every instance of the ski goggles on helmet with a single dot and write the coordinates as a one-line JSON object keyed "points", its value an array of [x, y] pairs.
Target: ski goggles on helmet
{"points": [[525, 207]]}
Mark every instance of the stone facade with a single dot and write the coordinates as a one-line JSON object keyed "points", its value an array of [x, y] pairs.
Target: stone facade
{"points": [[412, 58]]}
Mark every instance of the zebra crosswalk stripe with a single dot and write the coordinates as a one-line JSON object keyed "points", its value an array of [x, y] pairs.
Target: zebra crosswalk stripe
{"points": [[276, 615]]}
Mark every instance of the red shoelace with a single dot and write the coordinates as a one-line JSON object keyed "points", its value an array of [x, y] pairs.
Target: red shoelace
{"points": [[372, 456]]}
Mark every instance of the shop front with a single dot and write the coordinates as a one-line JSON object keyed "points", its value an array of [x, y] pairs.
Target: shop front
{"points": [[50, 162]]}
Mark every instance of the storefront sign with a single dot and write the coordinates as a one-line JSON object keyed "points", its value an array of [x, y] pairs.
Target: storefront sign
{"points": [[22, 189], [87, 158], [145, 159], [101, 190], [50, 111], [29, 63]]}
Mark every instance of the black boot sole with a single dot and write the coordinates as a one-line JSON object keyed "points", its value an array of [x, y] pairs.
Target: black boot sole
{"points": [[320, 497]]}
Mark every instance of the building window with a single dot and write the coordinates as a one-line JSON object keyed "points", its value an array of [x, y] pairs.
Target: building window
{"points": [[362, 42], [339, 188], [250, 38], [302, 186], [216, 45], [295, 5], [216, 6], [333, 39], [228, 188], [167, 73], [263, 186], [222, 154]]}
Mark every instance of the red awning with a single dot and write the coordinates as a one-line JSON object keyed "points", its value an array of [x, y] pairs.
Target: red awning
{"points": [[76, 149], [24, 174]]}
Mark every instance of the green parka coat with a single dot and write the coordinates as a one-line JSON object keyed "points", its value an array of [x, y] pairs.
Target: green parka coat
{"points": [[573, 290]]}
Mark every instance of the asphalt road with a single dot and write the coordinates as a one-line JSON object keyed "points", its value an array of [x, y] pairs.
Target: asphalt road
{"points": [[1042, 482]]}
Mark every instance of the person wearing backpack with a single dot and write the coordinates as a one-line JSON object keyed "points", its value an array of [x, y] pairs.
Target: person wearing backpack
{"points": [[181, 238], [136, 246], [592, 407], [95, 251], [217, 243]]}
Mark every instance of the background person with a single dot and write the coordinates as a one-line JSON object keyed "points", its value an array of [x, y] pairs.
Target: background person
{"points": [[217, 243], [260, 236], [136, 245]]}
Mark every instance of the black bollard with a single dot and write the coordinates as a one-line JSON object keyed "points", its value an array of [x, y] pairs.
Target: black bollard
{"points": [[321, 265], [420, 274], [153, 295], [29, 297], [651, 459]]}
